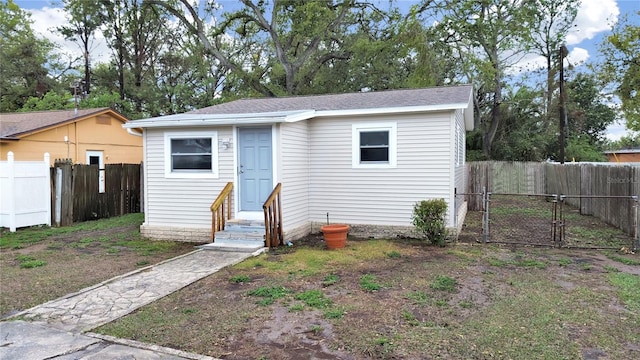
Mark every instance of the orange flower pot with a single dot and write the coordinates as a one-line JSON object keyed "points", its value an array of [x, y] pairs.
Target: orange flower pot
{"points": [[335, 235]]}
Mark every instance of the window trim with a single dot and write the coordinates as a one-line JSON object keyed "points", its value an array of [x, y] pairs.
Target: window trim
{"points": [[356, 129], [168, 171]]}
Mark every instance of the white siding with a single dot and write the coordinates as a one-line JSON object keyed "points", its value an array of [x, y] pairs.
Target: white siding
{"points": [[294, 174], [379, 196], [182, 202], [460, 145]]}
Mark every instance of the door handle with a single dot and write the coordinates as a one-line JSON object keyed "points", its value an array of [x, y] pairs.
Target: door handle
{"points": [[241, 170]]}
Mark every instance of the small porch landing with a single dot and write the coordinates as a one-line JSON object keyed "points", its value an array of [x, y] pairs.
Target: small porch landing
{"points": [[239, 236]]}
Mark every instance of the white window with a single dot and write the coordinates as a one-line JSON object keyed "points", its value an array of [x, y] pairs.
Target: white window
{"points": [[374, 145], [191, 154], [97, 158]]}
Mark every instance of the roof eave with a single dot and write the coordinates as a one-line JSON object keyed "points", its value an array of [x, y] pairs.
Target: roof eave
{"points": [[392, 110], [118, 116], [195, 120]]}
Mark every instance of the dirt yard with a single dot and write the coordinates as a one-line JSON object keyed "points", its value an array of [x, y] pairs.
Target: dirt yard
{"points": [[42, 264], [404, 300]]}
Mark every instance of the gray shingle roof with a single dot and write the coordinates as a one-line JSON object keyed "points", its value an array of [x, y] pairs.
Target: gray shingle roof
{"points": [[12, 125], [350, 101]]}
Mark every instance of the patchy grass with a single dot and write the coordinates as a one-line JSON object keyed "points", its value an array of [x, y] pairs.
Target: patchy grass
{"points": [[237, 279], [394, 254], [314, 298], [626, 259], [435, 303], [544, 213], [369, 282], [330, 279], [444, 283], [628, 286], [43, 263], [29, 262], [32, 235], [527, 262], [595, 234]]}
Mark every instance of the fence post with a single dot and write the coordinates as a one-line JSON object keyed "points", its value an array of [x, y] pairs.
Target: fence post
{"points": [[636, 238], [554, 220], [562, 224], [11, 192], [47, 163], [485, 222], [58, 196]]}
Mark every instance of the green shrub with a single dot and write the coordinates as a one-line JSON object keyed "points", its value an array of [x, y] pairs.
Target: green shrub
{"points": [[428, 219]]}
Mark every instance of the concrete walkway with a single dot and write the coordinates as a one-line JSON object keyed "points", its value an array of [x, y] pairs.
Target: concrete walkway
{"points": [[54, 328]]}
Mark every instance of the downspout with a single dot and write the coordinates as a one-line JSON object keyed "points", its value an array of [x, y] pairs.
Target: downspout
{"points": [[134, 133]]}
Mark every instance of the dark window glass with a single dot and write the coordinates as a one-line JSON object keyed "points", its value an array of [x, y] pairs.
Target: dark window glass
{"points": [[374, 146], [191, 154], [191, 162], [374, 138]]}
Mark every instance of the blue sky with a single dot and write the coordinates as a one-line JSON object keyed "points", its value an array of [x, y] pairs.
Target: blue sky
{"points": [[593, 23]]}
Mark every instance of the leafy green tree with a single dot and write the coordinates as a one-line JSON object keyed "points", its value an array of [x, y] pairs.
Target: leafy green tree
{"points": [[579, 149], [388, 50], [84, 18], [552, 21], [629, 141], [489, 37], [50, 101], [276, 47], [588, 111], [23, 59], [525, 134], [621, 51]]}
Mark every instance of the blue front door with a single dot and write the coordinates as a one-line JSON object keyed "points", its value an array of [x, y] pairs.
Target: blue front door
{"points": [[255, 167]]}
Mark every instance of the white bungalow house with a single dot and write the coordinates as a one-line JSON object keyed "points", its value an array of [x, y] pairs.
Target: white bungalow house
{"points": [[362, 159]]}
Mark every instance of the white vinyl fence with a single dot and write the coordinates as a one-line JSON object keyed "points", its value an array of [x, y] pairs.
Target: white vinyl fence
{"points": [[25, 193]]}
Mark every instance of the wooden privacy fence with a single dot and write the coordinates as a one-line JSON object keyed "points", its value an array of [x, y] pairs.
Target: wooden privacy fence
{"points": [[605, 190], [85, 192]]}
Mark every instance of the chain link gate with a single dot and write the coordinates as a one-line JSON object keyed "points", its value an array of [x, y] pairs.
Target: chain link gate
{"points": [[529, 219], [580, 228], [549, 220], [474, 228]]}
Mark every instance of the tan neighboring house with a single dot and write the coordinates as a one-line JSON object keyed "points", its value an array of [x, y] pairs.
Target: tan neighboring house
{"points": [[624, 155], [87, 136]]}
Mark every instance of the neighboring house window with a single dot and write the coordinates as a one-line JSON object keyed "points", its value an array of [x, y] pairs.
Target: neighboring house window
{"points": [[374, 145], [191, 155]]}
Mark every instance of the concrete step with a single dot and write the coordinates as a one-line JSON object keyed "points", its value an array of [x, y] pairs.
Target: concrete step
{"points": [[234, 245], [239, 235], [243, 222], [244, 228]]}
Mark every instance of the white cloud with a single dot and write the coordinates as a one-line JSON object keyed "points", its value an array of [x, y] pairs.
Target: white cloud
{"points": [[578, 56], [616, 130], [45, 22], [531, 62], [594, 16]]}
